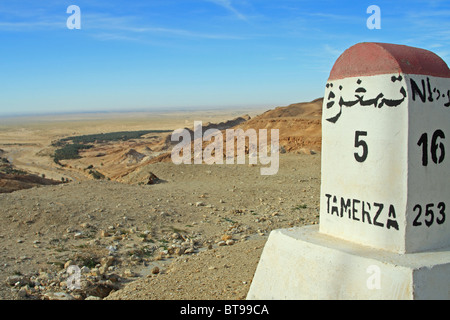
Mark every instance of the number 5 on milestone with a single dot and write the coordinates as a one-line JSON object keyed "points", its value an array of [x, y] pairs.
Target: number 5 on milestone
{"points": [[361, 143]]}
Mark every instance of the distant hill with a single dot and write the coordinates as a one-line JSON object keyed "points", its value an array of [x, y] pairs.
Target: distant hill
{"points": [[304, 110], [299, 124]]}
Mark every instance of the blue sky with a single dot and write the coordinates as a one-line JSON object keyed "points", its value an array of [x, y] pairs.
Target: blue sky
{"points": [[171, 54]]}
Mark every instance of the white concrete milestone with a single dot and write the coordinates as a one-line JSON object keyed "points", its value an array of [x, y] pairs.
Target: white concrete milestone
{"points": [[384, 229]]}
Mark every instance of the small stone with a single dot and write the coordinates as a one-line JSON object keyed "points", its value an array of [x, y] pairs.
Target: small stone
{"points": [[226, 237], [155, 270], [111, 249], [159, 256], [229, 242], [85, 270], [58, 296], [189, 250], [113, 277], [199, 204], [94, 272], [68, 263], [107, 261], [15, 280], [133, 230], [100, 289], [104, 234], [129, 274], [23, 292], [176, 235], [85, 225]]}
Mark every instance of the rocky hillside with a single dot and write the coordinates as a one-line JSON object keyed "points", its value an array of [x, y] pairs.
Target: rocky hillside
{"points": [[299, 125]]}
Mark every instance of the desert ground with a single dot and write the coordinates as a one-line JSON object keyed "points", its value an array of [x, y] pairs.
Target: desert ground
{"points": [[148, 229]]}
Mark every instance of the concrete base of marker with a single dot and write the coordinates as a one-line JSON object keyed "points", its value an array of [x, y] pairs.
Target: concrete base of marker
{"points": [[302, 263]]}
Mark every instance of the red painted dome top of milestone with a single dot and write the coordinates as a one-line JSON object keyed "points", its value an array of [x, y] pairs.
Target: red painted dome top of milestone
{"points": [[372, 58]]}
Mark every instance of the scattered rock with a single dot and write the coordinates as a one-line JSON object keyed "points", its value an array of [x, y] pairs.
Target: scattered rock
{"points": [[179, 251], [16, 280], [229, 242], [153, 179], [85, 225], [100, 289], [107, 261], [175, 235], [58, 296], [226, 237], [155, 270], [129, 274], [23, 292], [104, 233], [85, 270]]}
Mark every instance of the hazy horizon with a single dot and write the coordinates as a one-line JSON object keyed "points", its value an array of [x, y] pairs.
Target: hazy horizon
{"points": [[160, 110]]}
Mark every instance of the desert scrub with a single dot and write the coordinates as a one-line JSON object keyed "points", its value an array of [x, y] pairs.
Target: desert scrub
{"points": [[11, 170], [69, 151], [69, 147], [96, 175], [106, 137]]}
